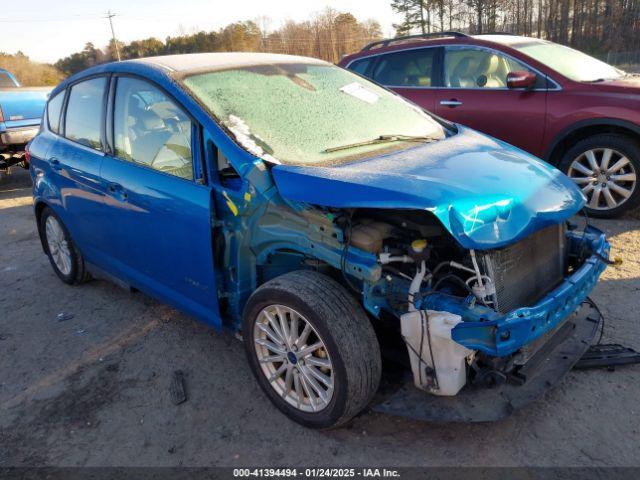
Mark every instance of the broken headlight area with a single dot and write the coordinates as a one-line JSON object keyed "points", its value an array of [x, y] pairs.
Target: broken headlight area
{"points": [[474, 317]]}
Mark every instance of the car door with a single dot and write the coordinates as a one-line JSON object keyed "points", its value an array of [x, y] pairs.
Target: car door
{"points": [[410, 73], [158, 206], [75, 160], [475, 93]]}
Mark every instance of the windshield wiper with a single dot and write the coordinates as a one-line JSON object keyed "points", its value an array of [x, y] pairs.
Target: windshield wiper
{"points": [[382, 139]]}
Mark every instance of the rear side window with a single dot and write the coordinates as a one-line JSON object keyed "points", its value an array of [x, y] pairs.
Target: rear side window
{"points": [[83, 122], [54, 108], [411, 68], [360, 66], [150, 129]]}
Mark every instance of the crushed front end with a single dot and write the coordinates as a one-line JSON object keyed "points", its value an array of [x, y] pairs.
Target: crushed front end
{"points": [[464, 252], [485, 330]]}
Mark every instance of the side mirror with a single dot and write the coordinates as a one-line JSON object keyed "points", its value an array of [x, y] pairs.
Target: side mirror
{"points": [[521, 79]]}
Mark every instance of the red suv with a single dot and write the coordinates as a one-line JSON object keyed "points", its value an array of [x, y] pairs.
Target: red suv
{"points": [[578, 113]]}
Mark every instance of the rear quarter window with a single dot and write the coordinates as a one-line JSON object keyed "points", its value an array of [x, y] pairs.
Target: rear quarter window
{"points": [[54, 108], [83, 122]]}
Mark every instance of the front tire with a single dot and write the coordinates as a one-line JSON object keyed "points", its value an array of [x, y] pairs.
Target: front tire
{"points": [[605, 168], [311, 348], [64, 256]]}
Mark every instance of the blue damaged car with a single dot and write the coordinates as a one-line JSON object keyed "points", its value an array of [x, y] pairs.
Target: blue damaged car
{"points": [[330, 223]]}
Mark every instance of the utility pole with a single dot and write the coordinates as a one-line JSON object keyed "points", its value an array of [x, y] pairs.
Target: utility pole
{"points": [[113, 33]]}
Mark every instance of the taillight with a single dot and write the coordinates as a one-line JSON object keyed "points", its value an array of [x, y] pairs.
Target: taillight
{"points": [[27, 154]]}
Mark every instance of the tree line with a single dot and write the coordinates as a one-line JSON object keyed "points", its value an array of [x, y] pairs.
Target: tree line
{"points": [[28, 72], [328, 35], [594, 26]]}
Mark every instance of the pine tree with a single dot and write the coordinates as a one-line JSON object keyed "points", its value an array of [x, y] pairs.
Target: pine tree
{"points": [[416, 14]]}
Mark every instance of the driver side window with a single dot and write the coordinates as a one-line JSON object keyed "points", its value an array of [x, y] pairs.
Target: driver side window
{"points": [[478, 68], [150, 129]]}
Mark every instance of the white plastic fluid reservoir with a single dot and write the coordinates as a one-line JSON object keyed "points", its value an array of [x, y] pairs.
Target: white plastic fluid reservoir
{"points": [[446, 373]]}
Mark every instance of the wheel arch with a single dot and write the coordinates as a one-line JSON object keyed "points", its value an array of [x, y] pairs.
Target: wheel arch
{"points": [[282, 260], [585, 129], [38, 208]]}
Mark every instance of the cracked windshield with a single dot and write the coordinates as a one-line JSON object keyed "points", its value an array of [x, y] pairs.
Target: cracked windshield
{"points": [[307, 114]]}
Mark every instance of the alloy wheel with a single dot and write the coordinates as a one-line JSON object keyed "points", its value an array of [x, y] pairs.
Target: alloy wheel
{"points": [[58, 245], [606, 177], [293, 357]]}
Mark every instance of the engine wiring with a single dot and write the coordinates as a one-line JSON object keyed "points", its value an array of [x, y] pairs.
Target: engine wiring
{"points": [[421, 271], [429, 276], [347, 243], [455, 279], [397, 272]]}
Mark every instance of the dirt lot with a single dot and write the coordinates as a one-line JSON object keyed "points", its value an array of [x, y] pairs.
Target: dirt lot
{"points": [[94, 389]]}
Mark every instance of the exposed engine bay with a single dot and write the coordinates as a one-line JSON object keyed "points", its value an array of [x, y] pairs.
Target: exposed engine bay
{"points": [[437, 288]]}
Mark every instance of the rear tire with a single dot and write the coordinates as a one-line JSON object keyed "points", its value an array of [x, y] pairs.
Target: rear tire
{"points": [[64, 256], [612, 197], [338, 323]]}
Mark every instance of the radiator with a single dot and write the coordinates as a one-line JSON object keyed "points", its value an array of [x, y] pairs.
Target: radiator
{"points": [[526, 271]]}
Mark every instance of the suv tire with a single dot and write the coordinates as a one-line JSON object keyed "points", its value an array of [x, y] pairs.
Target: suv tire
{"points": [[607, 197], [64, 256]]}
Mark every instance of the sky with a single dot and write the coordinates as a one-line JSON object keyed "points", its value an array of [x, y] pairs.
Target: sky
{"points": [[47, 30]]}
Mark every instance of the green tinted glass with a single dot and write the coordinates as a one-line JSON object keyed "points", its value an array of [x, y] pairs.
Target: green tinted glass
{"points": [[294, 113]]}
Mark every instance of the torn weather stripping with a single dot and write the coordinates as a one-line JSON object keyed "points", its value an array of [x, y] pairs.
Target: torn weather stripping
{"points": [[243, 135]]}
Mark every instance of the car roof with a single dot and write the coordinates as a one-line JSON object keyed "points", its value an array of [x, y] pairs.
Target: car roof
{"points": [[506, 39], [176, 66], [455, 38], [192, 62]]}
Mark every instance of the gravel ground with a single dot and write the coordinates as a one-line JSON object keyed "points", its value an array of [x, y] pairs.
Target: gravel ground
{"points": [[94, 390]]}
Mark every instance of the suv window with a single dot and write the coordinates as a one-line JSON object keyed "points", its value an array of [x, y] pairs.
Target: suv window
{"points": [[361, 66], [83, 120], [478, 68], [54, 108], [411, 68], [150, 129]]}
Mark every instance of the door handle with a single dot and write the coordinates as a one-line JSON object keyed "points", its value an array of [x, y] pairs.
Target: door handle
{"points": [[450, 103], [117, 191], [55, 163]]}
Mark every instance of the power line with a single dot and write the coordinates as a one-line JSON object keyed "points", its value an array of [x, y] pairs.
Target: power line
{"points": [[48, 19]]}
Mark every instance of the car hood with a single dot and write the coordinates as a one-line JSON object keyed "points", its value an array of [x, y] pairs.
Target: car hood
{"points": [[486, 193], [629, 84]]}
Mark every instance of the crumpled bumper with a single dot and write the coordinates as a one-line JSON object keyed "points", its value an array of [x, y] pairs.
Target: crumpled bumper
{"points": [[545, 369], [504, 335]]}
